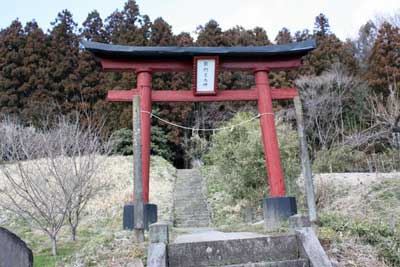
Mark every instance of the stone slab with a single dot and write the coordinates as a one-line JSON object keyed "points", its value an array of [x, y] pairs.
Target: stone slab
{"points": [[290, 263], [157, 255], [311, 248], [159, 233], [218, 249], [212, 235], [13, 251]]}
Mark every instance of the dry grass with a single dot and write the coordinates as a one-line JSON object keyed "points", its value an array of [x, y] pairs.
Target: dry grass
{"points": [[101, 240], [366, 198]]}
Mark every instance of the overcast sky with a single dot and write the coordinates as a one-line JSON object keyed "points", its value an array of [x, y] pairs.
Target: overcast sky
{"points": [[345, 16]]}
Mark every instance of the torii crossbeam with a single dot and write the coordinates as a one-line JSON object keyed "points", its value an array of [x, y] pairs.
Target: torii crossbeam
{"points": [[260, 60]]}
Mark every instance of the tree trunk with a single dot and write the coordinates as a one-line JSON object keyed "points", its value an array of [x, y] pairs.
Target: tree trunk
{"points": [[73, 232], [73, 223], [53, 245]]}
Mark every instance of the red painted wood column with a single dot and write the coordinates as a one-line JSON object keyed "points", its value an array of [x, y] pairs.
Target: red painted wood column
{"points": [[144, 85], [269, 136]]}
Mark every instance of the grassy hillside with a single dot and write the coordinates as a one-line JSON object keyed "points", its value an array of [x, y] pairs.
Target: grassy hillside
{"points": [[359, 216], [101, 240]]}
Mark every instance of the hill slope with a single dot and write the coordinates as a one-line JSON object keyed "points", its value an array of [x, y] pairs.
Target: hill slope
{"points": [[101, 240]]}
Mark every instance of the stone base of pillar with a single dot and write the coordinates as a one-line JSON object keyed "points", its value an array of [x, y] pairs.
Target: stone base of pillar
{"points": [[277, 210], [150, 216]]}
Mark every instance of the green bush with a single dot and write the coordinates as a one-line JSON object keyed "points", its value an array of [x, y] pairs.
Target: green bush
{"points": [[344, 158], [122, 142], [159, 143], [238, 154], [339, 159]]}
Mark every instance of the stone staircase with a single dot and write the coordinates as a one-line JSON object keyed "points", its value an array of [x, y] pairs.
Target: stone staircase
{"points": [[237, 250], [190, 204]]}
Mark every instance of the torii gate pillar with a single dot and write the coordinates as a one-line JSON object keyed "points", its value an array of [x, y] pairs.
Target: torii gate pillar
{"points": [[144, 85], [269, 136]]}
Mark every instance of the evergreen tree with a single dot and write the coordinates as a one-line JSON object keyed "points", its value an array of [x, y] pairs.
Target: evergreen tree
{"points": [[184, 39], [282, 78], [12, 71], [283, 37], [384, 61], [63, 60], [302, 35], [93, 28], [161, 33], [239, 36], [330, 50], [125, 27], [321, 25], [210, 35], [128, 27], [88, 74], [261, 37], [37, 85], [364, 43]]}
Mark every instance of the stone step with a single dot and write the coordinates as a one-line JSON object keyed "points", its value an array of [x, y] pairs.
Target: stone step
{"points": [[193, 203], [289, 263], [184, 215], [185, 212], [190, 204], [188, 189], [188, 194], [194, 198], [188, 185], [191, 219], [234, 251], [199, 224], [195, 187]]}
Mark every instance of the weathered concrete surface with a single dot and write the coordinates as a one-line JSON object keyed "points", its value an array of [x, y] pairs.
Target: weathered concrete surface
{"points": [[157, 255], [299, 221], [13, 251], [311, 248], [219, 249], [212, 235], [159, 233], [290, 263], [135, 263]]}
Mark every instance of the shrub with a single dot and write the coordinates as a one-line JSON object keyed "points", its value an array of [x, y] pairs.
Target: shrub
{"points": [[122, 142], [345, 158], [159, 143], [238, 154], [339, 159]]}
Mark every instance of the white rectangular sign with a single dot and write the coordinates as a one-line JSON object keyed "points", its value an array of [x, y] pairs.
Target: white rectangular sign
{"points": [[205, 75]]}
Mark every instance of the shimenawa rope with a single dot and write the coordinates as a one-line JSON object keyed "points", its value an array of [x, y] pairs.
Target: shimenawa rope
{"points": [[206, 129]]}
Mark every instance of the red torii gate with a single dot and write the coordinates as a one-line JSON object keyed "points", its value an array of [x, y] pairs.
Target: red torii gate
{"points": [[259, 60]]}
